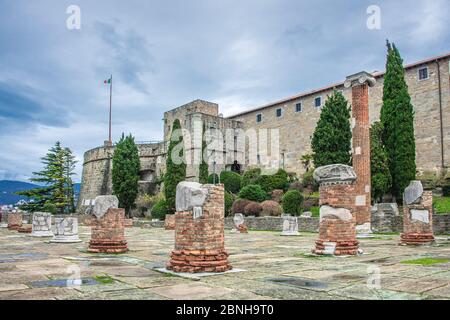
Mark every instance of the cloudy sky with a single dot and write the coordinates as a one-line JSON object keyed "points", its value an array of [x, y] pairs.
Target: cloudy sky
{"points": [[238, 53]]}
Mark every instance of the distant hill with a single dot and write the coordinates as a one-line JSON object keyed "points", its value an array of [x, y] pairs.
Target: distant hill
{"points": [[8, 187]]}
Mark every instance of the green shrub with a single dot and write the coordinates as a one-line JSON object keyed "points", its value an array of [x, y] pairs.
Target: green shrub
{"points": [[292, 202], [271, 208], [239, 205], [229, 199], [160, 209], [231, 181], [211, 178], [309, 182], [253, 192], [272, 182], [250, 177]]}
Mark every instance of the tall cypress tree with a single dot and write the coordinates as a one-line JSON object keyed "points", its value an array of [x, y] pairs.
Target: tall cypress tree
{"points": [[379, 165], [397, 117], [69, 167], [175, 165], [203, 167], [331, 142], [125, 172]]}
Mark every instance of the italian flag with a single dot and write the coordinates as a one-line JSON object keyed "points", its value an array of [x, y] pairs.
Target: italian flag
{"points": [[108, 81]]}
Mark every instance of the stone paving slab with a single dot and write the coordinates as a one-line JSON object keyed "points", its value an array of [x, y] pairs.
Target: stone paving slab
{"points": [[276, 268]]}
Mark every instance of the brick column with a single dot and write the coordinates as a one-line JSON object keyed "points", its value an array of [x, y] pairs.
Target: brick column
{"points": [[417, 215], [337, 228], [360, 83], [199, 230]]}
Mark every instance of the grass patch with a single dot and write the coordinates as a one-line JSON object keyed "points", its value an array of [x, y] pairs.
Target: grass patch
{"points": [[315, 212], [104, 279], [441, 204], [310, 255], [426, 261]]}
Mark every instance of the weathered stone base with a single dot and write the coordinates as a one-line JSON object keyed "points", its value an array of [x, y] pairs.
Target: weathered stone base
{"points": [[42, 234], [169, 222], [14, 221], [14, 227], [128, 223], [417, 238], [341, 248], [105, 246], [25, 229], [195, 261], [65, 239]]}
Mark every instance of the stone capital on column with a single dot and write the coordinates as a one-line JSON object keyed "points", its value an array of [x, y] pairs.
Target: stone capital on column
{"points": [[360, 78]]}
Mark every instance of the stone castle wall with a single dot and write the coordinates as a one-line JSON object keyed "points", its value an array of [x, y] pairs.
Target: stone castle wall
{"points": [[97, 166], [296, 128]]}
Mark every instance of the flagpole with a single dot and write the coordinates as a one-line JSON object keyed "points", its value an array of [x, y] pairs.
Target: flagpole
{"points": [[110, 109]]}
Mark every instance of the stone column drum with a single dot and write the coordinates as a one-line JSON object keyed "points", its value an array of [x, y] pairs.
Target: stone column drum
{"points": [[42, 224], [360, 84], [14, 221], [108, 229], [65, 230], [199, 229], [4, 219], [417, 215], [337, 228]]}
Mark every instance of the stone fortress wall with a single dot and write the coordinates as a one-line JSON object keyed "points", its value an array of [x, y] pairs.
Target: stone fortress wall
{"points": [[296, 128], [430, 98]]}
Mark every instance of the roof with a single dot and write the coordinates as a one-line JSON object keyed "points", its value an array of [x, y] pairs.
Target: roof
{"points": [[334, 85]]}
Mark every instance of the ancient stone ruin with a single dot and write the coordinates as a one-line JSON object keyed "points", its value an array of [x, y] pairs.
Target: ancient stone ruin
{"points": [[239, 223], [199, 229], [65, 230], [26, 228], [14, 221], [42, 224], [417, 215], [108, 227], [169, 222], [360, 84], [337, 228], [290, 226]]}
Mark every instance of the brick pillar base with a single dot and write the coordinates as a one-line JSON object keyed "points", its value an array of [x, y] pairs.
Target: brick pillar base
{"points": [[25, 229], [14, 221], [108, 233], [194, 261]]}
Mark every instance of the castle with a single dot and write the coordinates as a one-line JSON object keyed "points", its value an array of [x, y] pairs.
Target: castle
{"points": [[294, 120]]}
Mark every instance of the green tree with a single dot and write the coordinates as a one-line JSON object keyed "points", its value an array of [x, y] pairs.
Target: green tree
{"points": [[56, 181], [125, 172], [175, 166], [331, 142], [379, 165], [397, 117], [203, 167]]}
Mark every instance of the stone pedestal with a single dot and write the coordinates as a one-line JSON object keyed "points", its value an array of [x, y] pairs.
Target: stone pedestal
{"points": [[42, 224], [26, 228], [290, 226], [417, 215], [4, 220], [199, 229], [108, 233], [14, 221], [239, 223], [169, 222], [360, 84], [337, 228], [65, 230]]}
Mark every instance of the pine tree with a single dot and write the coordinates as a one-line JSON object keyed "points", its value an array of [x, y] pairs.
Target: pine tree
{"points": [[379, 165], [175, 165], [331, 142], [397, 117], [125, 172], [69, 167], [55, 190], [203, 167]]}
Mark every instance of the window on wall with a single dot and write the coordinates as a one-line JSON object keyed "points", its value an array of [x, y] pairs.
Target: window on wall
{"points": [[279, 112], [423, 73], [318, 102], [298, 107], [259, 117]]}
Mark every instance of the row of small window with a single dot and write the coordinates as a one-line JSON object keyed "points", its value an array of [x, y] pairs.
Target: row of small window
{"points": [[298, 108]]}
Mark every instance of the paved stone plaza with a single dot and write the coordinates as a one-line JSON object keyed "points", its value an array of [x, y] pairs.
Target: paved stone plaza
{"points": [[275, 267]]}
